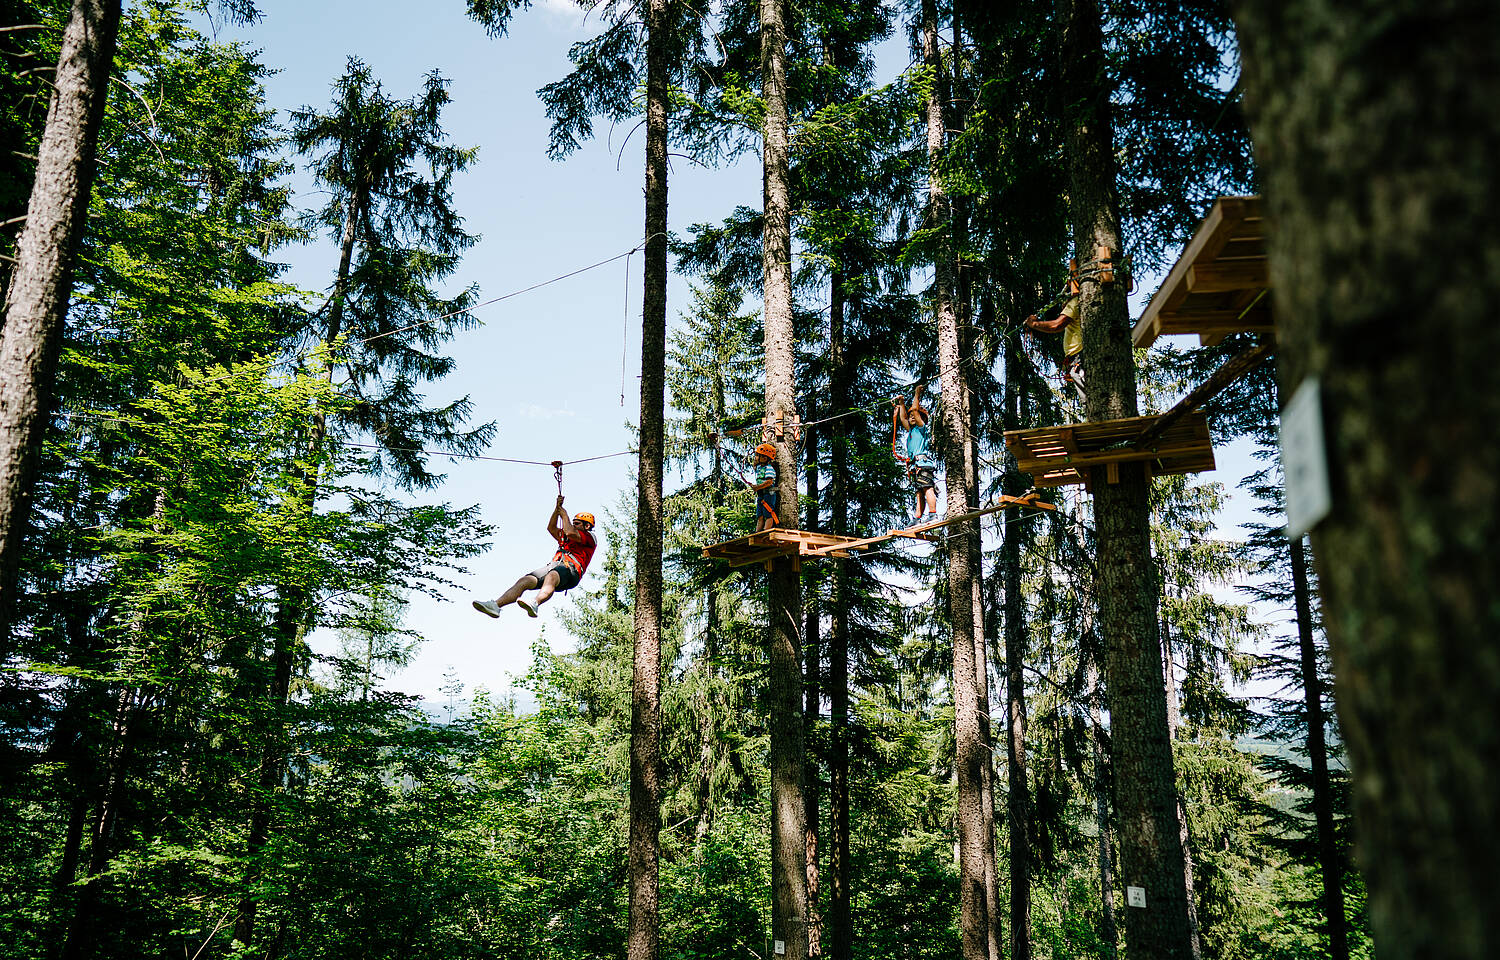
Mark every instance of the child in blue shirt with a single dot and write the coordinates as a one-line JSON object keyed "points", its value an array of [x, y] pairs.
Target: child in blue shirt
{"points": [[915, 420]]}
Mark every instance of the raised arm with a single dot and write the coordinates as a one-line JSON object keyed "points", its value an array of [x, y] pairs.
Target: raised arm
{"points": [[1048, 326], [558, 525], [898, 417]]}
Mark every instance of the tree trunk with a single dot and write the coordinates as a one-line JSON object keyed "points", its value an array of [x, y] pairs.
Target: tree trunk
{"points": [[812, 706], [642, 942], [1174, 722], [1018, 804], [972, 751], [1151, 854], [1107, 932], [1376, 131], [784, 589], [37, 301], [840, 920], [1330, 863]]}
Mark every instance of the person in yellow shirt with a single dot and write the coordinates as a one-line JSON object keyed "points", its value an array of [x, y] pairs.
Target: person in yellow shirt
{"points": [[1070, 325]]}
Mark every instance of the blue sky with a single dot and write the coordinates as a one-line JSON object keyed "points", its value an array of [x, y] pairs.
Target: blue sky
{"points": [[545, 365]]}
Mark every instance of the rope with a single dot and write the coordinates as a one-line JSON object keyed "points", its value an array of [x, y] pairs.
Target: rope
{"points": [[428, 322], [555, 464]]}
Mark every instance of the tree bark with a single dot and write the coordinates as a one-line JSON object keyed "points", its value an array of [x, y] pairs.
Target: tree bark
{"points": [[1376, 131], [812, 706], [1174, 722], [642, 937], [37, 301], [1107, 931], [784, 590], [972, 751], [1151, 854], [1018, 802], [1330, 863], [840, 920]]}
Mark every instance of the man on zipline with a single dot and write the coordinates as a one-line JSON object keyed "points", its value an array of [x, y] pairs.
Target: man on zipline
{"points": [[575, 548], [919, 464]]}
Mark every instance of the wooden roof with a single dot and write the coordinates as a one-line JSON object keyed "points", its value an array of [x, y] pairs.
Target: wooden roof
{"points": [[1057, 456], [1219, 285]]}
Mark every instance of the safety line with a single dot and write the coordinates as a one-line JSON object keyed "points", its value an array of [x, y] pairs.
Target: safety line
{"points": [[431, 320], [74, 414]]}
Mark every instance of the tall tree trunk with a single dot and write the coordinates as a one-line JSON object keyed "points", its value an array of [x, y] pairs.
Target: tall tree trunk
{"points": [[1107, 932], [642, 941], [37, 300], [812, 706], [840, 920], [1151, 854], [784, 589], [1018, 804], [972, 751], [1330, 863], [1376, 131], [1174, 722]]}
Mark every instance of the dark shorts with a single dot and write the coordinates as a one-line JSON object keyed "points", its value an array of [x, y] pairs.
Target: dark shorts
{"points": [[766, 503], [921, 478], [567, 577]]}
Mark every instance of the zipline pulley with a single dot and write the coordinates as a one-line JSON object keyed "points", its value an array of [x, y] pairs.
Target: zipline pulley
{"points": [[557, 466]]}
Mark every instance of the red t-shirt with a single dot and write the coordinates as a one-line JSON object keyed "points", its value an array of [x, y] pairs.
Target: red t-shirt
{"points": [[576, 553]]}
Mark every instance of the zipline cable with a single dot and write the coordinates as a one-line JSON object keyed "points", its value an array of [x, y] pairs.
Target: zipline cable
{"points": [[555, 464], [431, 320]]}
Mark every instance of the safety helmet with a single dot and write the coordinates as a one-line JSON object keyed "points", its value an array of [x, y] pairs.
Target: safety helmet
{"points": [[584, 517], [767, 450]]}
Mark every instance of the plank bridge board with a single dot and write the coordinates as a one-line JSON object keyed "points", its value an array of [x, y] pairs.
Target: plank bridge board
{"points": [[778, 542], [781, 542], [1218, 285], [1058, 456]]}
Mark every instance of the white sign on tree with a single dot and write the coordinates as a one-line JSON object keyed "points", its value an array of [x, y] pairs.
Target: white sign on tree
{"points": [[1304, 460]]}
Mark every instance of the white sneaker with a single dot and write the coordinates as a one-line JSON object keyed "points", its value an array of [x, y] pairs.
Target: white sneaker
{"points": [[489, 608], [528, 607]]}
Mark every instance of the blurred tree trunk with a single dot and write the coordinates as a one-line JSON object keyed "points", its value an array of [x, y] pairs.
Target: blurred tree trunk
{"points": [[1376, 131]]}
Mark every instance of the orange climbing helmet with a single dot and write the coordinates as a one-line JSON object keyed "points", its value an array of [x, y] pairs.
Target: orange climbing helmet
{"points": [[584, 517], [767, 450]]}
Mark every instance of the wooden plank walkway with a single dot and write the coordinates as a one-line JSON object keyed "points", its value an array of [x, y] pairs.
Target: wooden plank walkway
{"points": [[769, 544]]}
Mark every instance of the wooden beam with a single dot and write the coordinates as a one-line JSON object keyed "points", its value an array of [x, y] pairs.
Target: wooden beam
{"points": [[1236, 367], [1223, 277]]}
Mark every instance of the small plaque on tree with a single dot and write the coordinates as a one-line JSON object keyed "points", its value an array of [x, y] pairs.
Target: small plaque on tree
{"points": [[1136, 896], [779, 948], [1304, 460]]}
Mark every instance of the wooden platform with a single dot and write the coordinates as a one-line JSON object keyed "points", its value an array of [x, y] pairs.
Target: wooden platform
{"points": [[777, 542], [1058, 456], [1219, 285]]}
